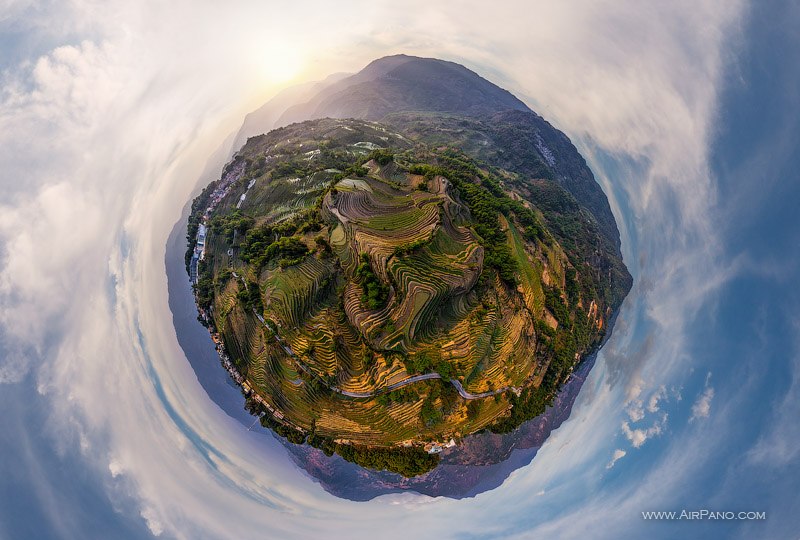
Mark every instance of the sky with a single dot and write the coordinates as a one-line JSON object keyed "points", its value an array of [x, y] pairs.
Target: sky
{"points": [[687, 113]]}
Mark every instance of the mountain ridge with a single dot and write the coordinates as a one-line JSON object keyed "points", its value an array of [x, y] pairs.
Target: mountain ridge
{"points": [[429, 84], [401, 83], [379, 288]]}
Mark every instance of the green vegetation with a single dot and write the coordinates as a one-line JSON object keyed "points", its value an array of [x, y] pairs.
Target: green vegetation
{"points": [[530, 404], [250, 296], [411, 247], [258, 249], [441, 400], [485, 199], [204, 288], [382, 157], [352, 170], [430, 414], [228, 226], [556, 305], [375, 291], [406, 461], [333, 281], [418, 363]]}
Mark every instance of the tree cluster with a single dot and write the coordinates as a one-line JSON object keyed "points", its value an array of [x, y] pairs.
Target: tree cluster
{"points": [[375, 292]]}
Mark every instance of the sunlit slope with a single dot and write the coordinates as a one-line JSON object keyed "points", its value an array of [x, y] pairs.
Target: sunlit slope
{"points": [[376, 292]]}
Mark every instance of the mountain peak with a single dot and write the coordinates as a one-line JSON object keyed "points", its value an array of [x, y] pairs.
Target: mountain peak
{"points": [[402, 83], [395, 89]]}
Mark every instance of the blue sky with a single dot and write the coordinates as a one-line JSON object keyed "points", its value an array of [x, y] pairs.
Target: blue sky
{"points": [[687, 113]]}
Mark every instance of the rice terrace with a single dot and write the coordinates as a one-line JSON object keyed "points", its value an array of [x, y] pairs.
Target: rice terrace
{"points": [[381, 297]]}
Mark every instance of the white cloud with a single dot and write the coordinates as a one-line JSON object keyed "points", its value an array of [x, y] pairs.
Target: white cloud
{"points": [[638, 436], [153, 523], [618, 454], [635, 410], [101, 141], [702, 406], [658, 395], [115, 468]]}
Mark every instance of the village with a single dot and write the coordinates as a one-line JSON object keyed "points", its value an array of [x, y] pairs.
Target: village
{"points": [[199, 252], [221, 191]]}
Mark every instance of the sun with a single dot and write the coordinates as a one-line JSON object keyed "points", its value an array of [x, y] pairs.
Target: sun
{"points": [[281, 64]]}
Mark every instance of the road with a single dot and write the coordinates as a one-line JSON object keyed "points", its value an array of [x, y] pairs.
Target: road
{"points": [[400, 384], [395, 386]]}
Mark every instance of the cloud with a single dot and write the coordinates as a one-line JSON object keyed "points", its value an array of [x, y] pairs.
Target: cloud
{"points": [[638, 436], [702, 406], [618, 454], [150, 517], [102, 138], [658, 395], [635, 410], [635, 405]]}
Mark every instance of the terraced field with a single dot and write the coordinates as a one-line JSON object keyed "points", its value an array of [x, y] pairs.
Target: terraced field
{"points": [[378, 293]]}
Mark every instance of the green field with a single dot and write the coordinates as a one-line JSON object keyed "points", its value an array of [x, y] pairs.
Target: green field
{"points": [[351, 284]]}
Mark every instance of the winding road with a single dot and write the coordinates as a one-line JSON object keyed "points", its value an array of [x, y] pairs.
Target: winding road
{"points": [[400, 384]]}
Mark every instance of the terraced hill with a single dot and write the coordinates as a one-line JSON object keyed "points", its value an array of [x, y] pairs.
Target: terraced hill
{"points": [[377, 296]]}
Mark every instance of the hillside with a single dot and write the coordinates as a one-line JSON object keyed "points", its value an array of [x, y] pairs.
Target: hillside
{"points": [[397, 89], [406, 83], [377, 294]]}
